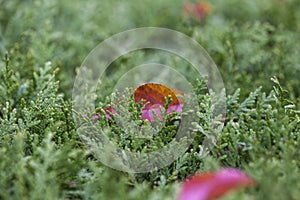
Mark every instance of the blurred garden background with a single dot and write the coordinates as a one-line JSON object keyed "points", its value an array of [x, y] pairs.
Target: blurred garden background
{"points": [[255, 45]]}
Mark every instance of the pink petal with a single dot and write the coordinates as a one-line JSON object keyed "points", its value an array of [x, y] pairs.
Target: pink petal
{"points": [[147, 113], [176, 108], [211, 185], [95, 117], [109, 111]]}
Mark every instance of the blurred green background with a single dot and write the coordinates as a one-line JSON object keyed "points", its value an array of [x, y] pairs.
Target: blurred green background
{"points": [[250, 41]]}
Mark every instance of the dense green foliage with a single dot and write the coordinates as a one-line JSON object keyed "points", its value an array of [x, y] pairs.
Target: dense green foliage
{"points": [[42, 43]]}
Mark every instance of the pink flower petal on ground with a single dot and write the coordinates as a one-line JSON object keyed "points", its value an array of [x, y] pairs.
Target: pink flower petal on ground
{"points": [[95, 117], [176, 108], [147, 113], [211, 185], [109, 111]]}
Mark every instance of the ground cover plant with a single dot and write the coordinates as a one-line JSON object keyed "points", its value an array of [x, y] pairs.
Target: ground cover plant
{"points": [[255, 45]]}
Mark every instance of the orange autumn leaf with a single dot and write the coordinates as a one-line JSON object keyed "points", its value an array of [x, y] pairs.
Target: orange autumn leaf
{"points": [[154, 93]]}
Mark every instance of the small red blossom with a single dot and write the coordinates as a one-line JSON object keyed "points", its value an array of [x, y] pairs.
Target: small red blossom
{"points": [[212, 185]]}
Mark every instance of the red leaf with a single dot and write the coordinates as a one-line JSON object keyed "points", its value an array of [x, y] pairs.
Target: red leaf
{"points": [[211, 185]]}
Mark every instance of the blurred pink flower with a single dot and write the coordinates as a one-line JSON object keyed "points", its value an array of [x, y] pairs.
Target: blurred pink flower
{"points": [[211, 185], [199, 10]]}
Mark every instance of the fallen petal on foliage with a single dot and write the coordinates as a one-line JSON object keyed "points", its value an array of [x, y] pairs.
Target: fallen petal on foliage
{"points": [[211, 185], [153, 97], [95, 116], [109, 111], [147, 114]]}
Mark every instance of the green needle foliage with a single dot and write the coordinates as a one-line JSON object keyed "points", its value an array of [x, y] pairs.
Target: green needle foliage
{"points": [[43, 43]]}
